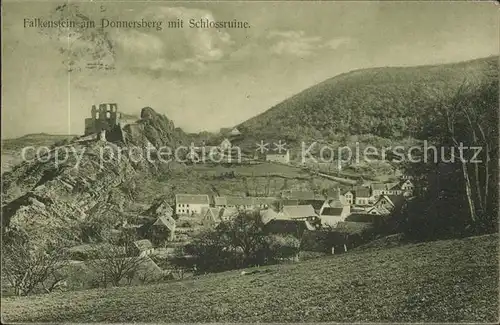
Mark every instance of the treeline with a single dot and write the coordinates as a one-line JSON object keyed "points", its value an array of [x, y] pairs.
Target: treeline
{"points": [[386, 102]]}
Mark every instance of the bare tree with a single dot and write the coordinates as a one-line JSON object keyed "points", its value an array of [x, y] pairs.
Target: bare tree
{"points": [[27, 268], [112, 265], [451, 120]]}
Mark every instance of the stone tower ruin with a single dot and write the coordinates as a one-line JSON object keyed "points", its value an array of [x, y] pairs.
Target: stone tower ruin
{"points": [[105, 118]]}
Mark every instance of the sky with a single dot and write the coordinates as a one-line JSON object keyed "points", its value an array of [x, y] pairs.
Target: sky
{"points": [[205, 79]]}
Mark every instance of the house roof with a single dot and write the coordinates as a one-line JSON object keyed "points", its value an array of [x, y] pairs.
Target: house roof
{"points": [[268, 215], [192, 199], [378, 186], [289, 202], [316, 204], [228, 212], [395, 186], [158, 208], [331, 211], [333, 193], [214, 214], [335, 203], [396, 200], [299, 211], [238, 200], [258, 200], [220, 200], [166, 221], [284, 226], [143, 244], [363, 192]]}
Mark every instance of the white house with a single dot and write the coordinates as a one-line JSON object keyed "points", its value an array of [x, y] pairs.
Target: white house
{"points": [[283, 157], [362, 196], [187, 204], [349, 197], [337, 203], [332, 216]]}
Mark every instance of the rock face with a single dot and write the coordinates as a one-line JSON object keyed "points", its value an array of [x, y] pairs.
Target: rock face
{"points": [[51, 197]]}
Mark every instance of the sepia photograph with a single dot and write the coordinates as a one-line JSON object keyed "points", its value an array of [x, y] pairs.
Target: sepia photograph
{"points": [[250, 162]]}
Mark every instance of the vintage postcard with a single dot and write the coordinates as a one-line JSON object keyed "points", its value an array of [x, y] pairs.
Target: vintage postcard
{"points": [[250, 161]]}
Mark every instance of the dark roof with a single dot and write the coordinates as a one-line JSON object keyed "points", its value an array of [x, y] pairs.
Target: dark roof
{"points": [[283, 226], [290, 202], [166, 221], [159, 208], [363, 192], [379, 186], [331, 211], [397, 200]]}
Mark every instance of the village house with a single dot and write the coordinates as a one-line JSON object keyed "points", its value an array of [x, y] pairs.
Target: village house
{"points": [[142, 248], [337, 203], [407, 187], [349, 197], [387, 204], [235, 202], [317, 204], [188, 204], [264, 202], [362, 196], [244, 203], [378, 189], [393, 189], [331, 216], [214, 216], [282, 157], [299, 212], [159, 208], [163, 230], [295, 228]]}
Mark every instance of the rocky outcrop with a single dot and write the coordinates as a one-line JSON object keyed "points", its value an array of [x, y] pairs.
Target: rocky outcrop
{"points": [[50, 197]]}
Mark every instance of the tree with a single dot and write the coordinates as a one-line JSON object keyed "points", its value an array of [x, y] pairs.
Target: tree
{"points": [[240, 242], [460, 195], [28, 268], [111, 264]]}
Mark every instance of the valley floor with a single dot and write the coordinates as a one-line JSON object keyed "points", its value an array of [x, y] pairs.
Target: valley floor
{"points": [[442, 281]]}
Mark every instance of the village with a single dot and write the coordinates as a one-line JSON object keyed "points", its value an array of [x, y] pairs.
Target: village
{"points": [[168, 225]]}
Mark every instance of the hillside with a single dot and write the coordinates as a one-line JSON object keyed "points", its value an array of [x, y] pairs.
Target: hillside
{"points": [[441, 281], [387, 102], [11, 148], [55, 198]]}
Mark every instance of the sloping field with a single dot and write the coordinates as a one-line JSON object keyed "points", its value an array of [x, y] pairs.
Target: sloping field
{"points": [[442, 281]]}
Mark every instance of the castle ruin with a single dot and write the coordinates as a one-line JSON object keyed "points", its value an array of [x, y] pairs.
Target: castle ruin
{"points": [[106, 119]]}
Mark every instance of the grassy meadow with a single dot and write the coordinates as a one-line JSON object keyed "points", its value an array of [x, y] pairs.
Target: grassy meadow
{"points": [[441, 281]]}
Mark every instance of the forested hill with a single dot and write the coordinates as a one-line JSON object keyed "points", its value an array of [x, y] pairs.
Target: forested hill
{"points": [[389, 102]]}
